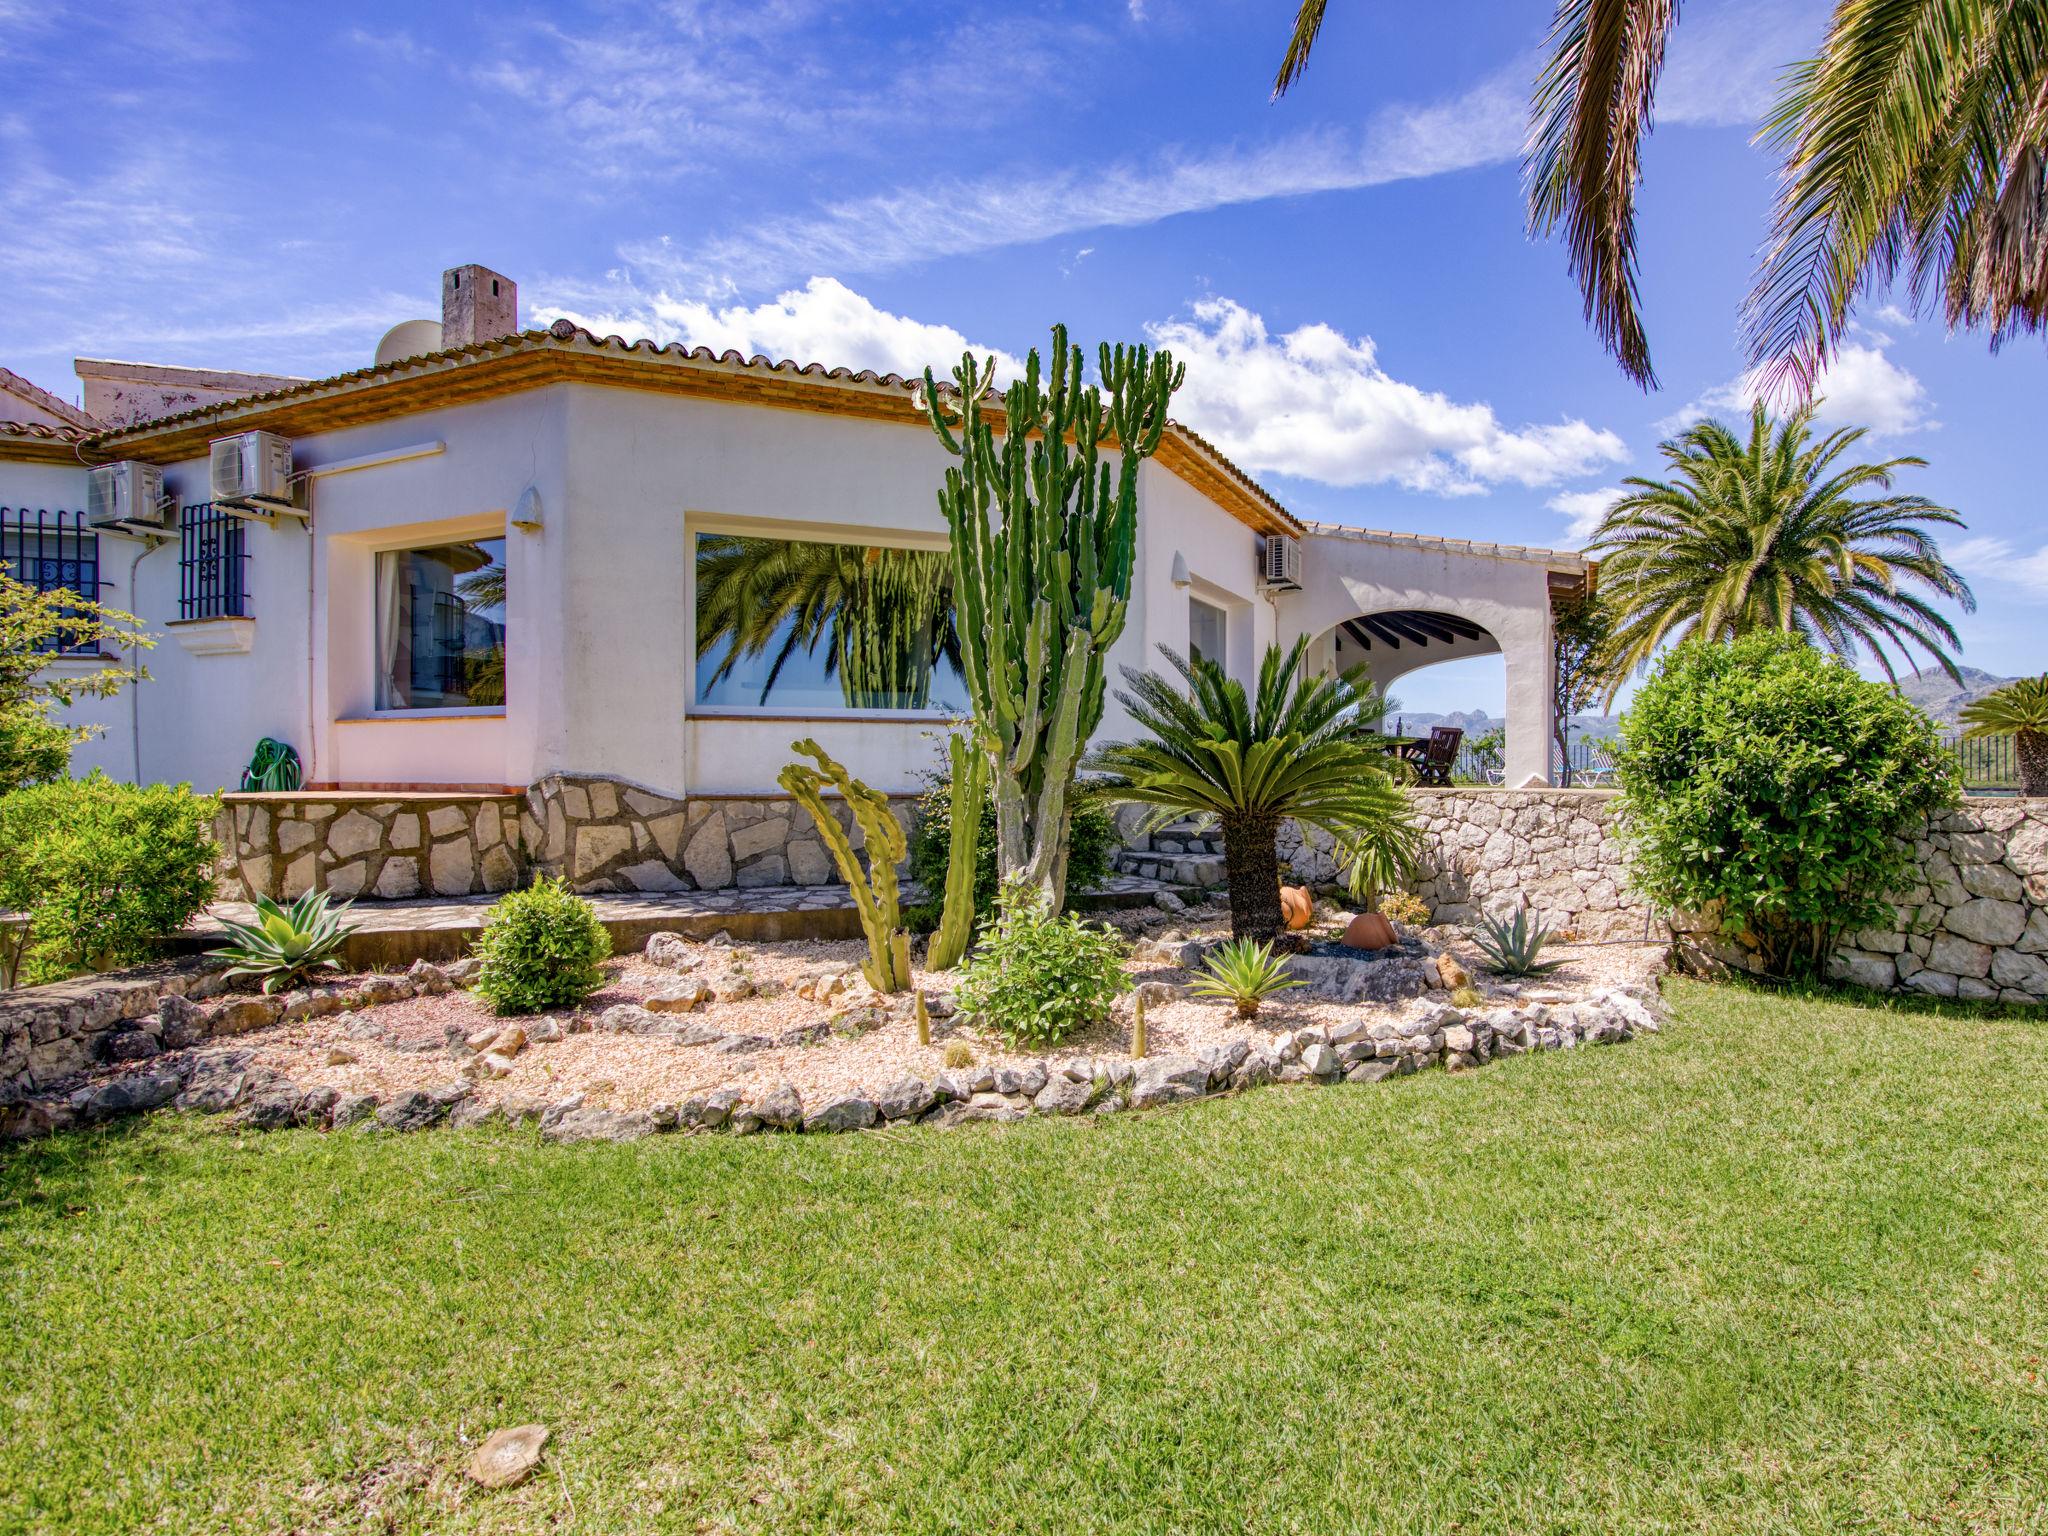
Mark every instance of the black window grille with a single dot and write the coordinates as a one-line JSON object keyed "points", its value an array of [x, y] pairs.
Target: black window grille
{"points": [[52, 551], [213, 564]]}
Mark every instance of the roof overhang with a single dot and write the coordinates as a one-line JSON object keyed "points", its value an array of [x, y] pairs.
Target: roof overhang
{"points": [[24, 442], [568, 354]]}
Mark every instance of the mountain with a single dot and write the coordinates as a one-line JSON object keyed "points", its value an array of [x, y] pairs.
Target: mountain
{"points": [[1943, 697]]}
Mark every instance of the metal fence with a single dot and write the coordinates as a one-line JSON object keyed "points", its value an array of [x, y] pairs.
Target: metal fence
{"points": [[1990, 764], [52, 550], [213, 556]]}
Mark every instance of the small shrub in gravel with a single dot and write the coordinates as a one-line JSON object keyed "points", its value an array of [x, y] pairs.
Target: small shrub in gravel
{"points": [[541, 948], [1036, 978]]}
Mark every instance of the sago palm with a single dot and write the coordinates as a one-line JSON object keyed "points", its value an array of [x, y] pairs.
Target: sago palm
{"points": [[1772, 533], [883, 615], [1915, 143], [2018, 710], [1305, 746]]}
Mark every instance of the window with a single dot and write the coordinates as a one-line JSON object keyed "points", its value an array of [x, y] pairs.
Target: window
{"points": [[441, 626], [213, 561], [794, 624], [1208, 625], [52, 551]]}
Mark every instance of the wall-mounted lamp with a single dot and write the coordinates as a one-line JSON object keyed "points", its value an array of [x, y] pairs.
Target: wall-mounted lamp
{"points": [[1181, 578], [527, 514]]}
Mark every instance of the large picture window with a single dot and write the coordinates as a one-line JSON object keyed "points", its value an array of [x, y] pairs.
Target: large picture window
{"points": [[794, 624], [441, 626]]}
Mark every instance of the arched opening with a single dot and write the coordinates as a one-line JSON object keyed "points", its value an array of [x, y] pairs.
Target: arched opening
{"points": [[1467, 678]]}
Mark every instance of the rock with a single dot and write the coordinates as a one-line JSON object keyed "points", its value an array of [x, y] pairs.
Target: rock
{"points": [[470, 1112], [630, 1019], [1154, 994], [462, 972], [1168, 1080], [707, 1111], [239, 1015], [673, 952], [985, 1106], [490, 1064], [352, 1107], [131, 1045], [778, 1109], [1988, 921], [481, 1039], [180, 1022], [735, 1045], [384, 989], [1256, 1068], [273, 1111], [546, 1030], [732, 987], [1451, 973], [591, 1124], [1063, 1096], [1318, 1060], [411, 1111], [849, 1112], [1371, 1071], [906, 1099], [129, 1095], [1166, 901], [428, 979], [508, 1456], [340, 1056], [678, 999]]}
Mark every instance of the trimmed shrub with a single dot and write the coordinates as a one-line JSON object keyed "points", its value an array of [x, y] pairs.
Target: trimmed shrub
{"points": [[1036, 978], [103, 870], [542, 947], [1770, 788], [1093, 840]]}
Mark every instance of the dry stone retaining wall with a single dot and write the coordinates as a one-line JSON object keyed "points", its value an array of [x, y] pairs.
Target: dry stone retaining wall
{"points": [[1974, 925]]}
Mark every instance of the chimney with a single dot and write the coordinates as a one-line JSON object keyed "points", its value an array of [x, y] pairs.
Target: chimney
{"points": [[477, 304]]}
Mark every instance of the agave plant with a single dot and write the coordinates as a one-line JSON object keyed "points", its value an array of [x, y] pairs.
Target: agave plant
{"points": [[1245, 971], [286, 942], [1510, 946], [2018, 710]]}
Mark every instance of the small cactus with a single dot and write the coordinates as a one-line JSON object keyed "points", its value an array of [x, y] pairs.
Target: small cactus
{"points": [[1138, 1027], [924, 1018], [874, 889]]}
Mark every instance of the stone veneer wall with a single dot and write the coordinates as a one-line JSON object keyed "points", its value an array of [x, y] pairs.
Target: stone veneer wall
{"points": [[1974, 925], [354, 844], [599, 834]]}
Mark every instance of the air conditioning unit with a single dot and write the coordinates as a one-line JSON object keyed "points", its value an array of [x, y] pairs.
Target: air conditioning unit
{"points": [[1280, 563], [128, 495], [252, 468]]}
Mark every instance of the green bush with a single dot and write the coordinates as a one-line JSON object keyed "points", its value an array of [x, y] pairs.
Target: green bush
{"points": [[1768, 786], [542, 947], [1094, 839], [103, 871], [1036, 978]]}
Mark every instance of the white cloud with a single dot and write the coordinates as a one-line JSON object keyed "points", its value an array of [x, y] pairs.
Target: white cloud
{"points": [[1585, 509], [1861, 387], [824, 321], [1317, 404], [1986, 557]]}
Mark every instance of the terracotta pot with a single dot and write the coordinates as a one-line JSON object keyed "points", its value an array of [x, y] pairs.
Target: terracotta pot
{"points": [[1297, 906], [1369, 930]]}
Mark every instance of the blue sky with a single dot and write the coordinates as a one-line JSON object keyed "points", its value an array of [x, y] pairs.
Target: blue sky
{"points": [[1368, 327]]}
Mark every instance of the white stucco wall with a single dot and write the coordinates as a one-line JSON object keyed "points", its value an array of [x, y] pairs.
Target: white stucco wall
{"points": [[1344, 577]]}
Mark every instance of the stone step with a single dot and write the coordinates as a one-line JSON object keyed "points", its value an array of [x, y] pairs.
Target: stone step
{"points": [[1200, 869]]}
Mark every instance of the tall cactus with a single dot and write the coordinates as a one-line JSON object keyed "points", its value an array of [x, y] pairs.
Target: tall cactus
{"points": [[887, 967], [1042, 596], [956, 920]]}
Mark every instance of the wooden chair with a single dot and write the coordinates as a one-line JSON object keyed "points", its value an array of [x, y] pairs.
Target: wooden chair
{"points": [[1433, 759]]}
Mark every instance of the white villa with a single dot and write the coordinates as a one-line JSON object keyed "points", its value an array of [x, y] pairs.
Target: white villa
{"points": [[461, 584]]}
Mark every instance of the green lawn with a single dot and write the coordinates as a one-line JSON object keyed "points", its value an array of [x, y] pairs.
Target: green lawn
{"points": [[1784, 1268]]}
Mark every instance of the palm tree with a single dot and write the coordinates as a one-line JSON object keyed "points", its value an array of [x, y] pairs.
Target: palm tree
{"points": [[885, 616], [1307, 747], [2018, 710], [1915, 143], [1770, 534]]}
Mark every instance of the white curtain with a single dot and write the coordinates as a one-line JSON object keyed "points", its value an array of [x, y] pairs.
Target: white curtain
{"points": [[391, 626]]}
